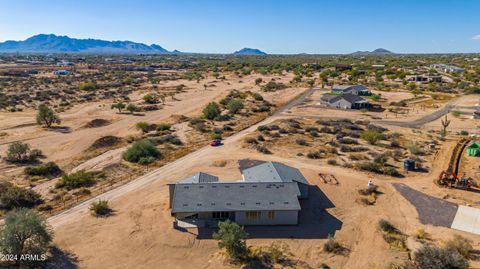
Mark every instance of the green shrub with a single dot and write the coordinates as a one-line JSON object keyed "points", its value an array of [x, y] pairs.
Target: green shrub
{"points": [[46, 116], [76, 180], [144, 127], [433, 257], [371, 136], [232, 237], [100, 208], [211, 111], [164, 127], [332, 246], [49, 169], [87, 86], [19, 152], [257, 97], [234, 106], [12, 196], [141, 149]]}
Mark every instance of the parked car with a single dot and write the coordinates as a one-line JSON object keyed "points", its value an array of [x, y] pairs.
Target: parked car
{"points": [[216, 142]]}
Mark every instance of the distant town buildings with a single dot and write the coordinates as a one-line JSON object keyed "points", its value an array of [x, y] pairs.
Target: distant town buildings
{"points": [[447, 68], [62, 72]]}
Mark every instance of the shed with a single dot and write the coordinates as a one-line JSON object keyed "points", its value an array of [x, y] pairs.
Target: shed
{"points": [[474, 149]]}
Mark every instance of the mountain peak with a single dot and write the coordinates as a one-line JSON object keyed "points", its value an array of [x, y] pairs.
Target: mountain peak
{"points": [[379, 51], [51, 43], [249, 51]]}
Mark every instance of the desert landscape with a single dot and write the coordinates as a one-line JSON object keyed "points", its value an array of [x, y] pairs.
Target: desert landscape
{"points": [[315, 153]]}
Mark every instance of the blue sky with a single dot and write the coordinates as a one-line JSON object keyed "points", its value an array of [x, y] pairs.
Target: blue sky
{"points": [[274, 26]]}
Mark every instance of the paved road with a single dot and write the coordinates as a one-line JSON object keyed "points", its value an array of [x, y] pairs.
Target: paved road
{"points": [[430, 210], [69, 215], [425, 119]]}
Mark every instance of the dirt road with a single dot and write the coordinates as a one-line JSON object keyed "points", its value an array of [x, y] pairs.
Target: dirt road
{"points": [[164, 171]]}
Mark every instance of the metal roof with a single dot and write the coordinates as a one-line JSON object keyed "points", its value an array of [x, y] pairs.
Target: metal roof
{"points": [[273, 172], [236, 196], [199, 178]]}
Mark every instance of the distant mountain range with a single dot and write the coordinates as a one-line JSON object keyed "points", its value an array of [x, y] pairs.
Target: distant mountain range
{"points": [[249, 51], [379, 51], [64, 44]]}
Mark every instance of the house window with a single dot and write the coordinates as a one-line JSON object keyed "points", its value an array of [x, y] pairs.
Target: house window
{"points": [[253, 215], [220, 215], [271, 214]]}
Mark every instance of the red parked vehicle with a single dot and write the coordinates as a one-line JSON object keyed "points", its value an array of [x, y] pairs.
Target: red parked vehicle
{"points": [[216, 142]]}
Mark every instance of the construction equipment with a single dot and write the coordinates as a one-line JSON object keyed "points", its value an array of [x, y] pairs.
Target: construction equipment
{"points": [[449, 177]]}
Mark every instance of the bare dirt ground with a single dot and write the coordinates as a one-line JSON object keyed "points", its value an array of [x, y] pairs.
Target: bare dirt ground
{"points": [[67, 144], [140, 233]]}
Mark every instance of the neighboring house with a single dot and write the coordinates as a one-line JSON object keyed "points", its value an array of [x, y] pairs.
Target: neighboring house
{"points": [[474, 149], [447, 68], [62, 72], [429, 78], [268, 195], [345, 101], [353, 89]]}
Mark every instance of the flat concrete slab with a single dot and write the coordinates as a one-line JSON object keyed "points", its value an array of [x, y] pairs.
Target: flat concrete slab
{"points": [[467, 219]]}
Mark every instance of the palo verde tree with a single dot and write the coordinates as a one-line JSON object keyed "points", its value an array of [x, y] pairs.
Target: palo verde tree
{"points": [[118, 106], [232, 237], [46, 116], [25, 232]]}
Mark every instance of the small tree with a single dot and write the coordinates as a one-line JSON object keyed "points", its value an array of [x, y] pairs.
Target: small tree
{"points": [[88, 86], [234, 106], [118, 106], [132, 108], [20, 152], [258, 81], [150, 99], [46, 116], [211, 111], [25, 232], [232, 237]]}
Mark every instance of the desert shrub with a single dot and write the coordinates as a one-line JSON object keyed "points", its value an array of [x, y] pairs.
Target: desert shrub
{"points": [[263, 150], [421, 235], [76, 180], [119, 106], [456, 113], [19, 152], [164, 127], [12, 196], [332, 162], [211, 111], [141, 149], [257, 97], [260, 138], [146, 160], [415, 149], [232, 238], [272, 86], [234, 106], [392, 235], [349, 141], [460, 244], [433, 257], [395, 144], [46, 116], [132, 108], [49, 169], [25, 232], [150, 99], [216, 136], [333, 246], [301, 142], [371, 136], [270, 255], [463, 132], [314, 133], [87, 86], [313, 155], [251, 140], [100, 208], [144, 127], [390, 171]]}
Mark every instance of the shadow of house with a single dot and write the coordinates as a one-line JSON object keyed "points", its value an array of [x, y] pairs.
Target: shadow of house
{"points": [[314, 222]]}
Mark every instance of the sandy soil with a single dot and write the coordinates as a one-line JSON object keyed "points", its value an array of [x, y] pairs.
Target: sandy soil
{"points": [[140, 233]]}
